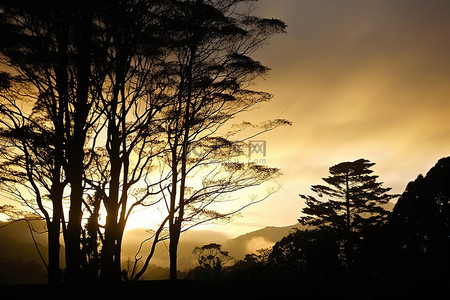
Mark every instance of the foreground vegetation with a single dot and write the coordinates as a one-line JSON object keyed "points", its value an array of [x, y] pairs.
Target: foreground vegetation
{"points": [[107, 106], [403, 251], [404, 255]]}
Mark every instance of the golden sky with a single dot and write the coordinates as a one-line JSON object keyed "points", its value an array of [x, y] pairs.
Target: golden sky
{"points": [[358, 79]]}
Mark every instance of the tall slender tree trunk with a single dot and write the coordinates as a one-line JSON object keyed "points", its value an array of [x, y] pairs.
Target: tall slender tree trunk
{"points": [[54, 268], [110, 260], [75, 173], [54, 226], [110, 254], [174, 236], [176, 223], [62, 83], [73, 236], [173, 251], [82, 32], [54, 229]]}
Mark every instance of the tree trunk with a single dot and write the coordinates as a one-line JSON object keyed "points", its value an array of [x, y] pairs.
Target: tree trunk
{"points": [[54, 225], [117, 263], [54, 269], [73, 236], [110, 254], [173, 252], [76, 155]]}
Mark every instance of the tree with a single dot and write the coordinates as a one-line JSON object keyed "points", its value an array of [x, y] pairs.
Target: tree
{"points": [[354, 204], [253, 266], [307, 254], [420, 230], [211, 261], [50, 47], [90, 73], [28, 173], [97, 93], [130, 79], [211, 69], [31, 156]]}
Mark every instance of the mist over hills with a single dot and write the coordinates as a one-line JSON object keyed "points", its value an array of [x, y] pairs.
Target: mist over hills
{"points": [[16, 241], [238, 247], [20, 261], [263, 238]]}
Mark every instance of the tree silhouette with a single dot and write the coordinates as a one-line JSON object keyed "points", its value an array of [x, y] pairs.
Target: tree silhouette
{"points": [[82, 69], [420, 228], [31, 175], [253, 266], [354, 204], [312, 254], [31, 156], [50, 47], [130, 80], [210, 69], [99, 91], [211, 261]]}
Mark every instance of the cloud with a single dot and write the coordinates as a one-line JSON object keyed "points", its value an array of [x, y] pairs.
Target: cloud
{"points": [[257, 243], [357, 79]]}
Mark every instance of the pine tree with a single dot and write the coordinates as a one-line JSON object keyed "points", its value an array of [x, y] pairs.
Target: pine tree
{"points": [[355, 199], [354, 206]]}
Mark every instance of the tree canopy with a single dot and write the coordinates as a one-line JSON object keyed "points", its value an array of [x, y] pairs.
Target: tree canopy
{"points": [[355, 199], [102, 95]]}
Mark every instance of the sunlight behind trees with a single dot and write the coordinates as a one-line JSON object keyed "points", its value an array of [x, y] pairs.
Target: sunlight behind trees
{"points": [[121, 97], [145, 141]]}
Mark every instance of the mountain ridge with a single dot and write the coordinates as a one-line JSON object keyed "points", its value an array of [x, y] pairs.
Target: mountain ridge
{"points": [[15, 238]]}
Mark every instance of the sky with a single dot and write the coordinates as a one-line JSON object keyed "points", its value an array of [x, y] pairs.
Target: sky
{"points": [[358, 79]]}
